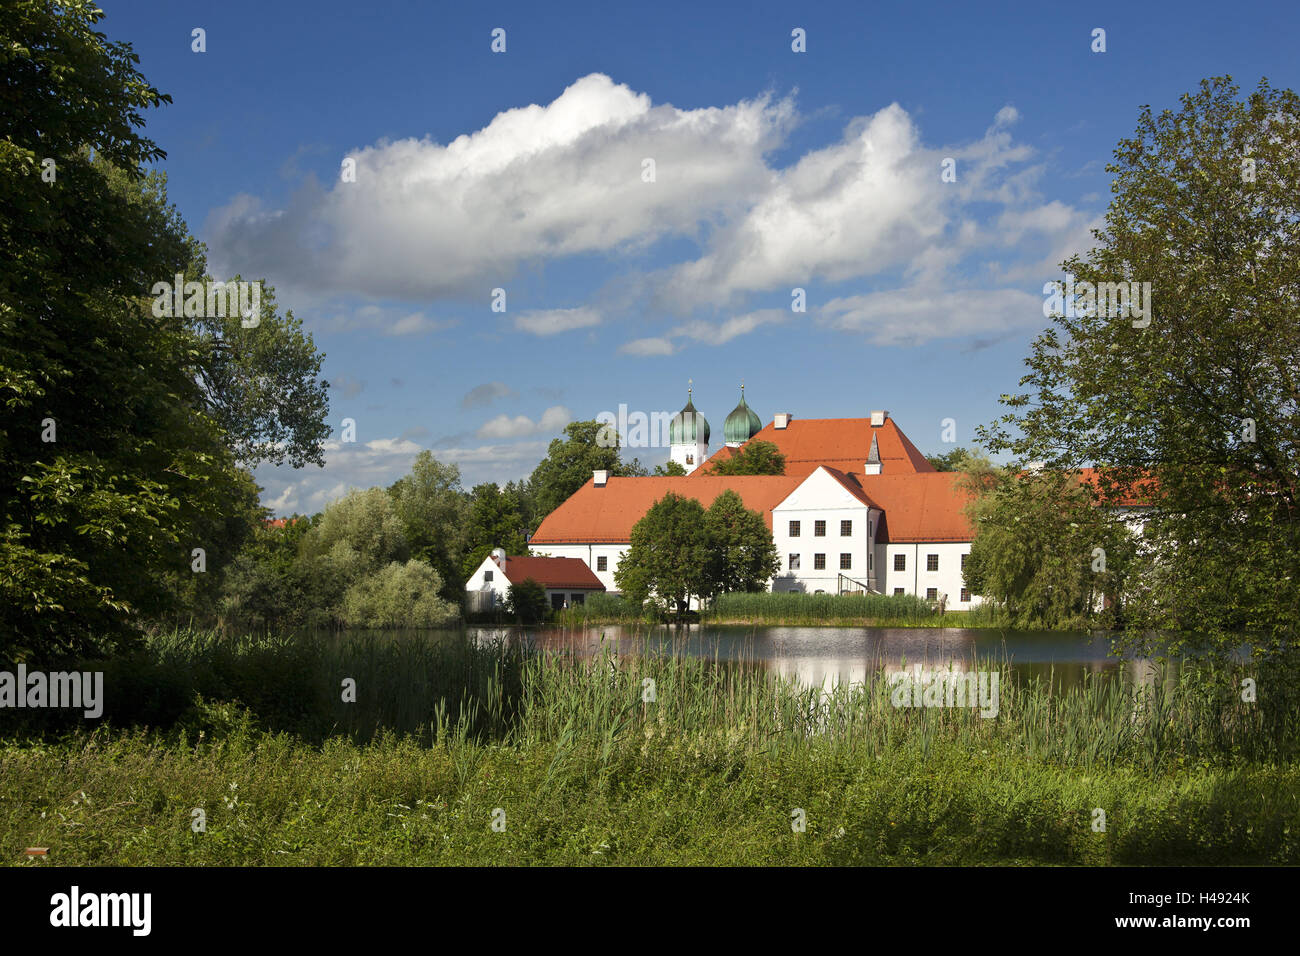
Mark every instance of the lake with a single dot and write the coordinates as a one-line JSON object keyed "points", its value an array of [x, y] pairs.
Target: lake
{"points": [[827, 656]]}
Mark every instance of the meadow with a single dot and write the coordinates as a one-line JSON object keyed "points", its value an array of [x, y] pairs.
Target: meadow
{"points": [[460, 753]]}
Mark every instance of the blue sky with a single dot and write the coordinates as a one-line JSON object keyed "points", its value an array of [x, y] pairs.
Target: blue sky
{"points": [[773, 170]]}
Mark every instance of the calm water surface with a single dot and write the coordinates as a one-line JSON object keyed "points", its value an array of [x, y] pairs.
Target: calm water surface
{"points": [[826, 656]]}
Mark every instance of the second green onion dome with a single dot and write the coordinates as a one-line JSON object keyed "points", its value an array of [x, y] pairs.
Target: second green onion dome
{"points": [[742, 424]]}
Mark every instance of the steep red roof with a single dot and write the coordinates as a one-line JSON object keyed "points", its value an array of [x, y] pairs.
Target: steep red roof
{"points": [[553, 572], [920, 507], [607, 514], [842, 443]]}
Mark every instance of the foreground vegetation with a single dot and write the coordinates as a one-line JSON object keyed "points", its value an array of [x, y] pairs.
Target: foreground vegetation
{"points": [[591, 764]]}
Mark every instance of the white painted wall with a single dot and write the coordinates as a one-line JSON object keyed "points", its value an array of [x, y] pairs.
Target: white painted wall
{"points": [[915, 579], [822, 498]]}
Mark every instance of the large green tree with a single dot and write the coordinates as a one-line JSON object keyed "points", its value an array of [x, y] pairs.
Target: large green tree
{"points": [[125, 433], [432, 507], [1194, 404], [1044, 553], [586, 447], [495, 521], [668, 555], [740, 552]]}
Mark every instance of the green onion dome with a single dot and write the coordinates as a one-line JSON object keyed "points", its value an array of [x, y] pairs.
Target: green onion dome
{"points": [[687, 424], [742, 424]]}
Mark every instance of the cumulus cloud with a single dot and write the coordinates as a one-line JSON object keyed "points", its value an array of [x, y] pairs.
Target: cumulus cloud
{"points": [[504, 426], [427, 221], [554, 321], [507, 194]]}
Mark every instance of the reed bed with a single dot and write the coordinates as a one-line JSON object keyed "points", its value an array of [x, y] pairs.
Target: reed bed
{"points": [[652, 757]]}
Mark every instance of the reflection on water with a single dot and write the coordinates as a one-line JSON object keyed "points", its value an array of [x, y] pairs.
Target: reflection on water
{"points": [[828, 656]]}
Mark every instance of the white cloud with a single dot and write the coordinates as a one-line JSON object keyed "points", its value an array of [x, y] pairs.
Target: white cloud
{"points": [[913, 316], [554, 321], [650, 346], [509, 193], [503, 426]]}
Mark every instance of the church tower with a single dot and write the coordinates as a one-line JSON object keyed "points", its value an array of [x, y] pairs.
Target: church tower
{"points": [[688, 436]]}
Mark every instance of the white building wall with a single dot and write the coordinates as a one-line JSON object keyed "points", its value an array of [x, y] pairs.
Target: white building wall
{"points": [[822, 498], [916, 579]]}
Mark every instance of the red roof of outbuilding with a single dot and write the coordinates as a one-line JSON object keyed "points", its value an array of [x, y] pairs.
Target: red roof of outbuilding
{"points": [[553, 572]]}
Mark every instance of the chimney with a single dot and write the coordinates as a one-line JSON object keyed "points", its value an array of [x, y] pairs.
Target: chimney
{"points": [[782, 420], [878, 418], [599, 477], [499, 556]]}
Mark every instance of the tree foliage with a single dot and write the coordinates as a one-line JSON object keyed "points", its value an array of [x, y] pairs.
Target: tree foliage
{"points": [[1197, 412], [398, 595], [526, 602], [741, 553], [668, 554], [587, 446], [432, 509], [116, 462], [495, 521], [678, 550], [753, 458]]}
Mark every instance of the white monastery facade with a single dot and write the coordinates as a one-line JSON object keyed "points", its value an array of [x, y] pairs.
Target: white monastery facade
{"points": [[858, 509]]}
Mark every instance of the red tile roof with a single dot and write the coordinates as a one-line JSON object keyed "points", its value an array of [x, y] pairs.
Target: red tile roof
{"points": [[607, 514], [921, 507], [553, 572], [843, 443]]}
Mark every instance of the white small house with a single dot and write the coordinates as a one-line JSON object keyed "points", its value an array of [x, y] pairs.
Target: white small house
{"points": [[567, 581]]}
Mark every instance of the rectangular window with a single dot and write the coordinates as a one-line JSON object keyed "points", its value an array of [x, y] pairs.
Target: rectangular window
{"points": [[932, 594], [963, 562], [871, 561], [487, 575], [846, 528], [897, 591], [900, 562], [846, 562], [965, 594], [794, 529], [576, 599], [932, 562], [794, 562], [819, 562], [602, 563], [819, 529]]}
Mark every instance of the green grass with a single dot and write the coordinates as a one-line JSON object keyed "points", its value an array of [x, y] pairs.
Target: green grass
{"points": [[443, 732], [885, 610]]}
